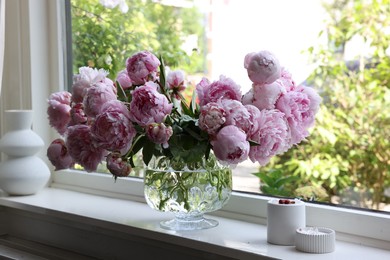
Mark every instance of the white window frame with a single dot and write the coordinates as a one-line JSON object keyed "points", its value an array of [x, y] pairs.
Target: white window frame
{"points": [[39, 63]]}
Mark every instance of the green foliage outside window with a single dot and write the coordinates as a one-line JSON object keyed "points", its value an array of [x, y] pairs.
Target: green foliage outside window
{"points": [[348, 152], [105, 38]]}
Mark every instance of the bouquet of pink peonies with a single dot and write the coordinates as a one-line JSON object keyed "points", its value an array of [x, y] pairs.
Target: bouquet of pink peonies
{"points": [[144, 111]]}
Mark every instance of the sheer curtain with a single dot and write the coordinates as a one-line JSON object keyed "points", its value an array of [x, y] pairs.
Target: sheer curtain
{"points": [[2, 28]]}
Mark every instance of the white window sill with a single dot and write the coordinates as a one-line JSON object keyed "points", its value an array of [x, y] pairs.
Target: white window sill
{"points": [[232, 238]]}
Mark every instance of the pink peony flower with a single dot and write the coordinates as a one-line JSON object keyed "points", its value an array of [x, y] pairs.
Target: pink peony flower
{"points": [[254, 113], [58, 155], [112, 129], [58, 111], [236, 114], [117, 166], [266, 95], [96, 96], [85, 79], [224, 88], [62, 97], [109, 83], [91, 75], [148, 105], [77, 115], [201, 87], [230, 145], [272, 116], [159, 133], [78, 89], [82, 147], [211, 118], [247, 98], [296, 107], [315, 99], [175, 80], [286, 80], [273, 136], [263, 67], [142, 67], [124, 79]]}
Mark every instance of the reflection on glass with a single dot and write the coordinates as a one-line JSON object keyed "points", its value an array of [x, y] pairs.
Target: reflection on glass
{"points": [[347, 158]]}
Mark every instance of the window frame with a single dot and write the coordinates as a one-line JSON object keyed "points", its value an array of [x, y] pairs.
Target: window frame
{"points": [[42, 24]]}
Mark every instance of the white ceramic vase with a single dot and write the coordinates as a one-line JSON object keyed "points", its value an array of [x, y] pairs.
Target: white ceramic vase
{"points": [[22, 172]]}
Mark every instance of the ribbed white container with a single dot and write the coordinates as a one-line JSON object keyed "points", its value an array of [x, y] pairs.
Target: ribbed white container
{"points": [[316, 240]]}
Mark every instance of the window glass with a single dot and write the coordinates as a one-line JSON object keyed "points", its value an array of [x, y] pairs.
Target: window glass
{"points": [[341, 48]]}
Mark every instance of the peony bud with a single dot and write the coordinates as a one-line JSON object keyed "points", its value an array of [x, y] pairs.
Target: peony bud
{"points": [[117, 166], [263, 67], [142, 67], [159, 133], [175, 80], [58, 155], [124, 79]]}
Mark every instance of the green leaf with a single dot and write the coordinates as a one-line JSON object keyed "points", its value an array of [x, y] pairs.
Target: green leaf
{"points": [[194, 106], [187, 118], [284, 180], [193, 134], [121, 92], [187, 111], [265, 178], [147, 151], [253, 143], [207, 153], [139, 144], [185, 146], [163, 78], [177, 129]]}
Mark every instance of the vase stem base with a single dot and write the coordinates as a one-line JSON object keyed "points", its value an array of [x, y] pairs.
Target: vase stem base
{"points": [[179, 224]]}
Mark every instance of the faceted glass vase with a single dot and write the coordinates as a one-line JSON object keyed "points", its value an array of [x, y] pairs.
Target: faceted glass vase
{"points": [[189, 190]]}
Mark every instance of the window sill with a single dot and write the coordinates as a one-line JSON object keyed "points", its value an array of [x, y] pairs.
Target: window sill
{"points": [[121, 218]]}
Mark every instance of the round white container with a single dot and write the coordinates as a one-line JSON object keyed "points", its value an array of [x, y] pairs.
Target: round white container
{"points": [[283, 220], [317, 240]]}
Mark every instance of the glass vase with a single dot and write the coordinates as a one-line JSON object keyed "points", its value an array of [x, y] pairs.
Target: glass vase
{"points": [[189, 190]]}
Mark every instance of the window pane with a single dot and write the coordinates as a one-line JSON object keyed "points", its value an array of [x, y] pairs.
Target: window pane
{"points": [[346, 159]]}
